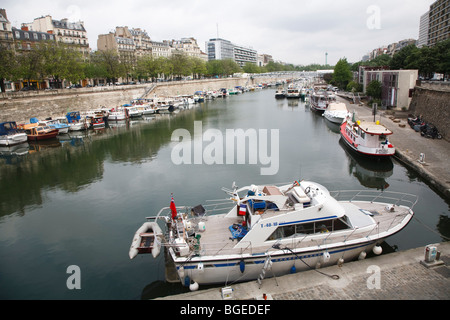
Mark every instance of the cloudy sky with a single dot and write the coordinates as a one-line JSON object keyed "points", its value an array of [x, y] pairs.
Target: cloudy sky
{"points": [[294, 31]]}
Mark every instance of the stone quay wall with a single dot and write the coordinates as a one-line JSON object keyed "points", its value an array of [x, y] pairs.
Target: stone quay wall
{"points": [[433, 104], [22, 106]]}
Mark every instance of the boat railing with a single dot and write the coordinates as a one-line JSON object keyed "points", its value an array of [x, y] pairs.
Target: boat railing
{"points": [[215, 248], [391, 197]]}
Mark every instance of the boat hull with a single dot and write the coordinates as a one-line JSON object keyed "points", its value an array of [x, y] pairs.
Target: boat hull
{"points": [[46, 136], [226, 271], [11, 140]]}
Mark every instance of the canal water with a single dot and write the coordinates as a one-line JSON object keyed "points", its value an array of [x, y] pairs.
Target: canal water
{"points": [[76, 202]]}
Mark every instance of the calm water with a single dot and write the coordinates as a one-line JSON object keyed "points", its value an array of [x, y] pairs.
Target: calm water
{"points": [[79, 201]]}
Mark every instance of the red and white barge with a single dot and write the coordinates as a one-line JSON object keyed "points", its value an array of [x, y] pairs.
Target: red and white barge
{"points": [[368, 138]]}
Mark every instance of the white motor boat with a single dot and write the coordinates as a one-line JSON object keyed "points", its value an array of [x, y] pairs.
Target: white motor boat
{"points": [[118, 114], [320, 100], [336, 112], [10, 135], [272, 230]]}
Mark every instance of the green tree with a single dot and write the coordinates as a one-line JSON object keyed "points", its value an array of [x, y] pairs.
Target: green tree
{"points": [[399, 59], [342, 74], [30, 66], [373, 89], [8, 64], [109, 61]]}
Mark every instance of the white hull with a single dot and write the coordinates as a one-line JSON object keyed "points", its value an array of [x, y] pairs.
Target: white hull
{"points": [[13, 139], [77, 126], [335, 118], [229, 270]]}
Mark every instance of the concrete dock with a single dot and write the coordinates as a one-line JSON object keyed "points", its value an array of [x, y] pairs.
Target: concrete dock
{"points": [[393, 276]]}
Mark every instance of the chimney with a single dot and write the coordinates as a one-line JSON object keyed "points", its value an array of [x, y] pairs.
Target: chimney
{"points": [[3, 13]]}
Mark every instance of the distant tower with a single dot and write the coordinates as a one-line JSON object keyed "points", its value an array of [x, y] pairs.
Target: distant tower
{"points": [[326, 58]]}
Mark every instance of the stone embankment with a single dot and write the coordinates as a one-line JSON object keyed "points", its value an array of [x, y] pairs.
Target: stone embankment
{"points": [[22, 106]]}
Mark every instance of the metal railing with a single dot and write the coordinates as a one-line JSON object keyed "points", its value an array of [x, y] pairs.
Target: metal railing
{"points": [[391, 197]]}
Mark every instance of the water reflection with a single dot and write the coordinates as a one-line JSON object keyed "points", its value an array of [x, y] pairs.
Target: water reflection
{"points": [[75, 160], [371, 173]]}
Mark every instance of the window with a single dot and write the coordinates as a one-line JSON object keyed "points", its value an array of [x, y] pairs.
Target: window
{"points": [[302, 229], [17, 35], [35, 36], [27, 35]]}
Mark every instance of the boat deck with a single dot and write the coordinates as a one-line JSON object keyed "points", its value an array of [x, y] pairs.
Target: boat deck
{"points": [[376, 219]]}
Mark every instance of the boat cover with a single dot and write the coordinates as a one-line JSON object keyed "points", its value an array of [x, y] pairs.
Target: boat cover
{"points": [[237, 231]]}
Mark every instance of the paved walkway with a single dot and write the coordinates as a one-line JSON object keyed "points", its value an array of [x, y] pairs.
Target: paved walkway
{"points": [[393, 276], [410, 144]]}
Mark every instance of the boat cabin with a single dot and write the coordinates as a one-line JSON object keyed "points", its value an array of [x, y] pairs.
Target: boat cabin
{"points": [[272, 213], [8, 128]]}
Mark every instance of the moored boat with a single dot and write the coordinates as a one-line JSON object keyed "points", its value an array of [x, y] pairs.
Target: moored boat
{"points": [[147, 239], [75, 122], [368, 138], [336, 112], [118, 114], [41, 133], [320, 100], [293, 92], [280, 93], [271, 230], [10, 134]]}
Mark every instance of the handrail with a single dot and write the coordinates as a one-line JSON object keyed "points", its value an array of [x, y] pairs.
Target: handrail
{"points": [[373, 195]]}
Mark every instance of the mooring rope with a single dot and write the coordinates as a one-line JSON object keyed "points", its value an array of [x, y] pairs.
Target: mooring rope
{"points": [[334, 276]]}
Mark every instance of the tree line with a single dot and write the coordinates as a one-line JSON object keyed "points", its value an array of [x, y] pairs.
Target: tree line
{"points": [[59, 62]]}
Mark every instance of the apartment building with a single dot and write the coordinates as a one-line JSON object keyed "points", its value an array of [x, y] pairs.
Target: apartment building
{"points": [[220, 49], [72, 34], [423, 30], [6, 35], [439, 22], [187, 45]]}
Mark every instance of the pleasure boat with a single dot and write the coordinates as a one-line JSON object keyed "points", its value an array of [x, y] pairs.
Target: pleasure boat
{"points": [[75, 122], [63, 128], [336, 112], [41, 133], [320, 100], [271, 230], [367, 138], [10, 135], [118, 114], [293, 93], [280, 94]]}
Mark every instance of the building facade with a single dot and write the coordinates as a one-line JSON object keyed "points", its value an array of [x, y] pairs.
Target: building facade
{"points": [[6, 35], [243, 55], [423, 30], [72, 34], [396, 86], [439, 22], [187, 45], [220, 49]]}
